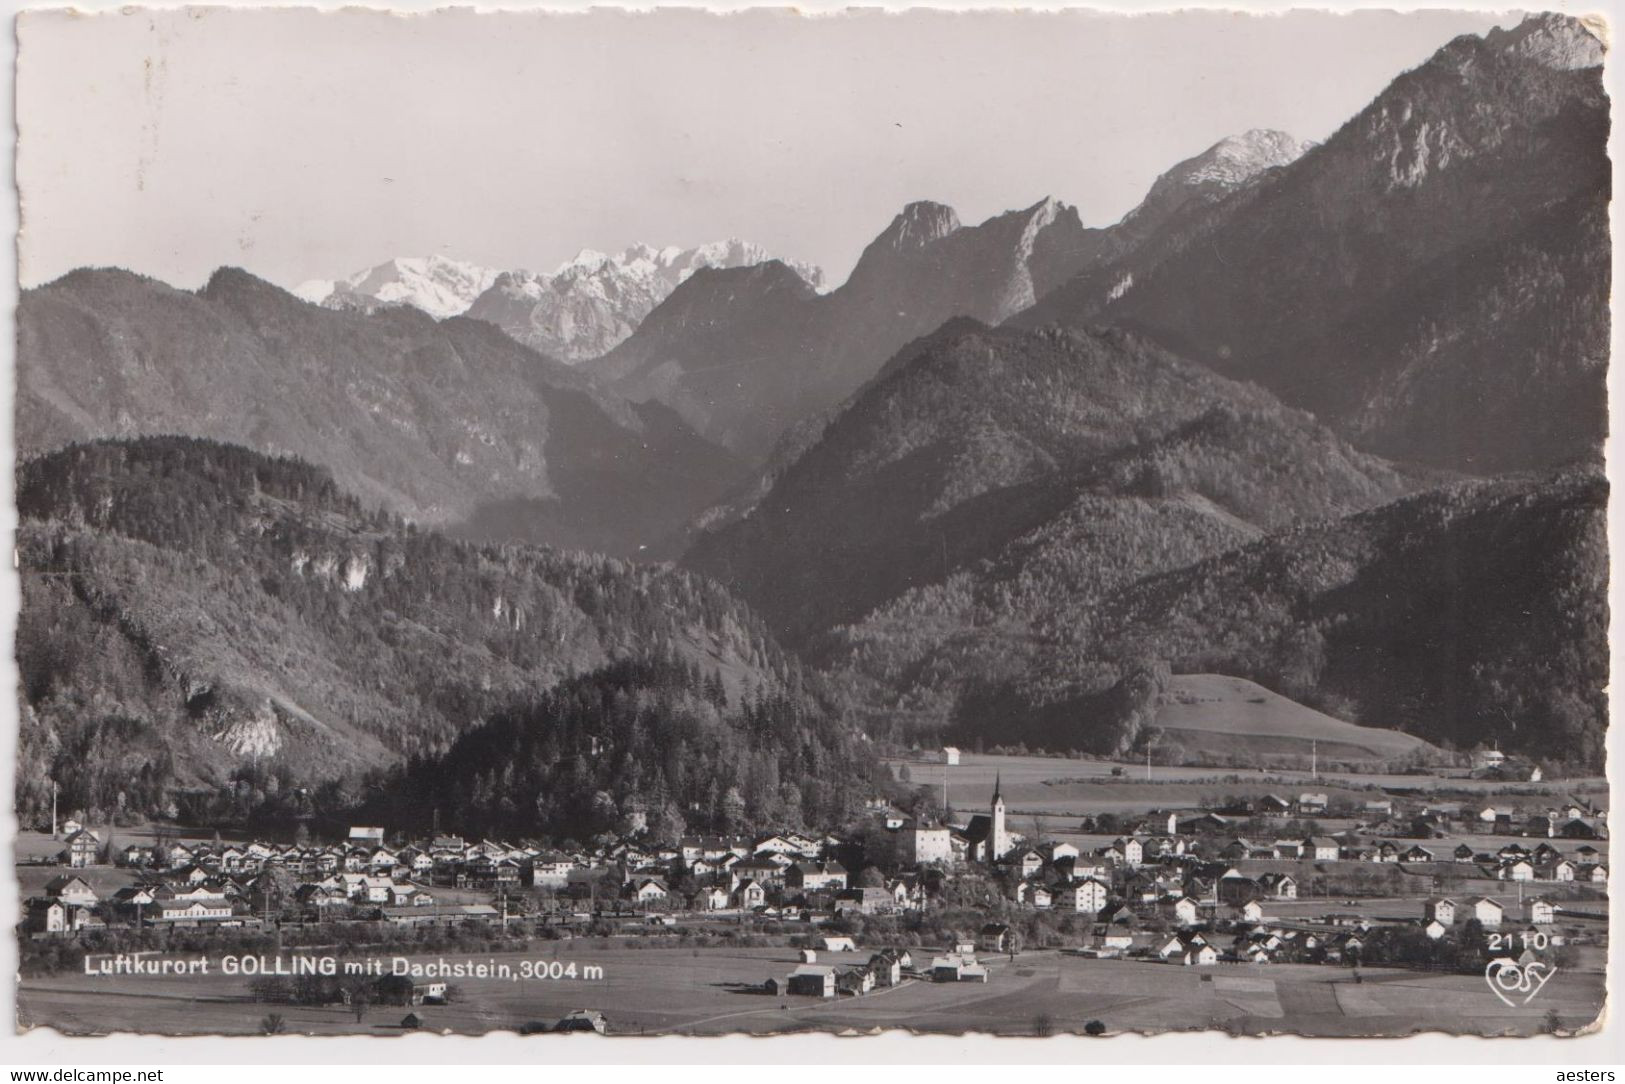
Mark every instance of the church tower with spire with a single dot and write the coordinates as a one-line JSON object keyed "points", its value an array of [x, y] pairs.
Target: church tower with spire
{"points": [[998, 840]]}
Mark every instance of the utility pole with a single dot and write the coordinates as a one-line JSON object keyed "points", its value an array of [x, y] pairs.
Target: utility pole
{"points": [[53, 809], [1314, 759]]}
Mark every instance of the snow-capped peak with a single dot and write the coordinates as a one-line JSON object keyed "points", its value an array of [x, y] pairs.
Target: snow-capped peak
{"points": [[592, 302], [440, 286], [582, 309]]}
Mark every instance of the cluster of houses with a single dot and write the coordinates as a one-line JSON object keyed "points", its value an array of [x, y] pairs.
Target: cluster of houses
{"points": [[1253, 936], [1169, 855], [197, 883], [1160, 889], [886, 967]]}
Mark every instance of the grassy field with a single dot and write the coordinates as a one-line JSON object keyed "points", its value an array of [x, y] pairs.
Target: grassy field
{"points": [[1064, 787], [106, 880], [1219, 714], [703, 991]]}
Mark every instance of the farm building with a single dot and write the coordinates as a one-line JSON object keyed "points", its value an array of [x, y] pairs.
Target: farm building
{"points": [[956, 968], [950, 755], [583, 1020], [811, 980], [887, 967], [995, 937], [855, 981]]}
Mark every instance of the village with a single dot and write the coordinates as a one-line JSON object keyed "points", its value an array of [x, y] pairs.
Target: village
{"points": [[894, 899]]}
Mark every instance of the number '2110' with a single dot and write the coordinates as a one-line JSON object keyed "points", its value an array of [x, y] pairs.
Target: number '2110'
{"points": [[1530, 939]]}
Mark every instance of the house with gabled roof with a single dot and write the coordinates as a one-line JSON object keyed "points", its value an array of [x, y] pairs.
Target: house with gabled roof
{"points": [[1487, 911], [810, 876], [1441, 909], [72, 890], [1540, 911], [1280, 886], [82, 850]]}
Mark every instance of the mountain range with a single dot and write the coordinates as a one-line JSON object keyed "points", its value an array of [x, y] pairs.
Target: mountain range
{"points": [[748, 355], [1432, 280], [450, 423], [583, 309], [946, 539], [1322, 417]]}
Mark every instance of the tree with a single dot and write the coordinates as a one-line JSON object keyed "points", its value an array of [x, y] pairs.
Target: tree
{"points": [[1094, 1027], [871, 877], [273, 1024]]}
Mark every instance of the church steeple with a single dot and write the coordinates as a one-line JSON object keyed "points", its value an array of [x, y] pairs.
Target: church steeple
{"points": [[998, 839]]}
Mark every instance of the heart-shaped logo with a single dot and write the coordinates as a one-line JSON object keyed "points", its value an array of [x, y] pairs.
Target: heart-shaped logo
{"points": [[1515, 983]]}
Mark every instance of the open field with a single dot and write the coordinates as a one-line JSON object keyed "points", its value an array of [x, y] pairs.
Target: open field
{"points": [[700, 991], [106, 880], [1064, 787], [1220, 714]]}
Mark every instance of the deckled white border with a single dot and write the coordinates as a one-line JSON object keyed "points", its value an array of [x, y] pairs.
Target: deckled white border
{"points": [[43, 1046]]}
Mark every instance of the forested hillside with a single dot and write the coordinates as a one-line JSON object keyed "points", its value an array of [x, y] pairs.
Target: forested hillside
{"points": [[979, 445], [1470, 614], [194, 612], [650, 738]]}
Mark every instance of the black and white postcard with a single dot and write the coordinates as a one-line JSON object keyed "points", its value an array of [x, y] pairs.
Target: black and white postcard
{"points": [[679, 523]]}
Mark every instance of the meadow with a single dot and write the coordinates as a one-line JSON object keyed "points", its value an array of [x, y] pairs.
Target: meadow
{"points": [[708, 991]]}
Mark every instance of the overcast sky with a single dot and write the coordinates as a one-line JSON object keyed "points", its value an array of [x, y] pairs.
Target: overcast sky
{"points": [[305, 145]]}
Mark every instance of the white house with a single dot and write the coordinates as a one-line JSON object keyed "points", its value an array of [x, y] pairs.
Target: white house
{"points": [[1320, 848], [1487, 911], [1087, 896], [927, 844]]}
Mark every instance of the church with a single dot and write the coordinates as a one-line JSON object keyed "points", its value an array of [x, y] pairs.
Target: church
{"points": [[988, 838]]}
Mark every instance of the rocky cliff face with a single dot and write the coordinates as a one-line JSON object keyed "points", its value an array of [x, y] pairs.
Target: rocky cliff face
{"points": [[745, 358], [1433, 280]]}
